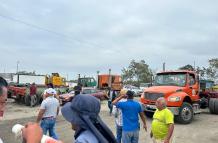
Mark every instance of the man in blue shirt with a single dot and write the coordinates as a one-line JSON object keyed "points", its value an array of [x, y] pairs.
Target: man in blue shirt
{"points": [[130, 111]]}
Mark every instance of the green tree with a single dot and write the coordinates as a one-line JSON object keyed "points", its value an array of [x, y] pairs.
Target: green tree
{"points": [[136, 73], [212, 70], [187, 67]]}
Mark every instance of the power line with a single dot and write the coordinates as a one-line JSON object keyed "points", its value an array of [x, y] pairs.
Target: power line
{"points": [[49, 31]]}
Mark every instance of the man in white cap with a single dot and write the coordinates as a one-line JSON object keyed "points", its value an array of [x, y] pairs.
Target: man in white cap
{"points": [[48, 112]]}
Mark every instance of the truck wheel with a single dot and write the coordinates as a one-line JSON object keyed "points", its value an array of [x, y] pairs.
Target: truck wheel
{"points": [[18, 99], [35, 100], [213, 106], [27, 100], [185, 114]]}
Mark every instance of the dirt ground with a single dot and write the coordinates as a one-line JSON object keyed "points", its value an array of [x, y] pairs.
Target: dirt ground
{"points": [[203, 129]]}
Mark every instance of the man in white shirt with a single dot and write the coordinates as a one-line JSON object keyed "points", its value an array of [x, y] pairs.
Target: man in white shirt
{"points": [[48, 112], [118, 118]]}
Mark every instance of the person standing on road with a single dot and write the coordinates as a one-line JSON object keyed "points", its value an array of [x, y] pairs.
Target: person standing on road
{"points": [[163, 123], [33, 96], [83, 114], [48, 112], [112, 95], [118, 118], [130, 111]]}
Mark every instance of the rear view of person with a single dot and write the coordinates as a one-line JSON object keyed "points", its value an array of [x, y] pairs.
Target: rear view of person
{"points": [[112, 94], [83, 114], [33, 90], [48, 112], [130, 112]]}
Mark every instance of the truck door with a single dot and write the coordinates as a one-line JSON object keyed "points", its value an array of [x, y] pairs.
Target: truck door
{"points": [[193, 86]]}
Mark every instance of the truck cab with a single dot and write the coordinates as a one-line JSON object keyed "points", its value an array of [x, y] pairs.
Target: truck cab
{"points": [[180, 90]]}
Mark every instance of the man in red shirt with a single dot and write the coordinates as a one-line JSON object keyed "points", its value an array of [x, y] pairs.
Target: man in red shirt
{"points": [[33, 97]]}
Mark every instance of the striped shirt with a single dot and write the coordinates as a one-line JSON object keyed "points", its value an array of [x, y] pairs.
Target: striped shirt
{"points": [[118, 114]]}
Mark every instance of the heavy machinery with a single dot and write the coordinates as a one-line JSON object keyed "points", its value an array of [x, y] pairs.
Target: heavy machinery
{"points": [[181, 91], [104, 81], [19, 89], [56, 80], [184, 93]]}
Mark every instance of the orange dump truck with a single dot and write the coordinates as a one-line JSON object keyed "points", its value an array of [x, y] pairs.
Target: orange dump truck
{"points": [[181, 91], [107, 80]]}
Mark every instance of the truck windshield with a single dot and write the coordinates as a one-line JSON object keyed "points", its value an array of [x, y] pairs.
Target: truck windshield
{"points": [[170, 79]]}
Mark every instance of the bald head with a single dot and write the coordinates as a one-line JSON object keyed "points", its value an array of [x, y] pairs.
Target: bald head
{"points": [[161, 103]]}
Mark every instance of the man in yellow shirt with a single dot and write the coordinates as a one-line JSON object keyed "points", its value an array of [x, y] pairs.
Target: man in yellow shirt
{"points": [[163, 123]]}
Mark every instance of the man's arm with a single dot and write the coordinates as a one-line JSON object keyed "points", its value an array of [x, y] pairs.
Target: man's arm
{"points": [[40, 115], [118, 99], [142, 116], [170, 132]]}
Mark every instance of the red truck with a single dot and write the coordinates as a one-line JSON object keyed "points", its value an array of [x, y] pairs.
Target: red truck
{"points": [[181, 91]]}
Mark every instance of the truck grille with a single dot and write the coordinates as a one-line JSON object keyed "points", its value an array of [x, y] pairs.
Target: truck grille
{"points": [[153, 96]]}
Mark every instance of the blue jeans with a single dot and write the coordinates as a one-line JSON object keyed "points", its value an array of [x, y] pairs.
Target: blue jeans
{"points": [[48, 125], [130, 137], [119, 133]]}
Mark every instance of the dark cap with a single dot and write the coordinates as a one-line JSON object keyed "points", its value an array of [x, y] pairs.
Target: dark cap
{"points": [[77, 88], [130, 93]]}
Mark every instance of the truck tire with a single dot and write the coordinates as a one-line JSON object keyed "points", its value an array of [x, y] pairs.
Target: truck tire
{"points": [[213, 106], [18, 99], [27, 100], [216, 106], [185, 114]]}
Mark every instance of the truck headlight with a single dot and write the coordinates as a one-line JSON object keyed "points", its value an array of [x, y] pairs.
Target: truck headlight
{"points": [[174, 99]]}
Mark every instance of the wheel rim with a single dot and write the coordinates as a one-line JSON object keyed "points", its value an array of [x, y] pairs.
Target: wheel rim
{"points": [[186, 114], [35, 100]]}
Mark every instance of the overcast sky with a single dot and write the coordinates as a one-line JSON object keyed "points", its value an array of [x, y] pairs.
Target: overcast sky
{"points": [[83, 36]]}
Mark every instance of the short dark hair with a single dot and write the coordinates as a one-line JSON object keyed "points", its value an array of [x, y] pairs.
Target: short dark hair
{"points": [[130, 94], [77, 89], [50, 85], [3, 83]]}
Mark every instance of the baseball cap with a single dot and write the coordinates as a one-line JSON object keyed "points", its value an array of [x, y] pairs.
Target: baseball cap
{"points": [[50, 91], [129, 93]]}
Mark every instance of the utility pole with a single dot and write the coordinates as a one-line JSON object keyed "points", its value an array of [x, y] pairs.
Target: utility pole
{"points": [[194, 65], [164, 66], [109, 80], [97, 82], [17, 71], [18, 66]]}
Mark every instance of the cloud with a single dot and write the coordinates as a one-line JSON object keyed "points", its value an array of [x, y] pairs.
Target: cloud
{"points": [[85, 36]]}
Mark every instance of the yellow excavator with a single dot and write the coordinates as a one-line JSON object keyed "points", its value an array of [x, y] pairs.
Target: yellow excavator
{"points": [[56, 80]]}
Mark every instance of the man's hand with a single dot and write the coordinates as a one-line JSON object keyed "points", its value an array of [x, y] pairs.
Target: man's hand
{"points": [[32, 133], [166, 141], [123, 96]]}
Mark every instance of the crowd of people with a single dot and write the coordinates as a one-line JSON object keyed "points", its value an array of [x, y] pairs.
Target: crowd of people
{"points": [[83, 115]]}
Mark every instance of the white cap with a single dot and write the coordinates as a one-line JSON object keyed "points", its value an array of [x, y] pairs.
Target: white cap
{"points": [[50, 91]]}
